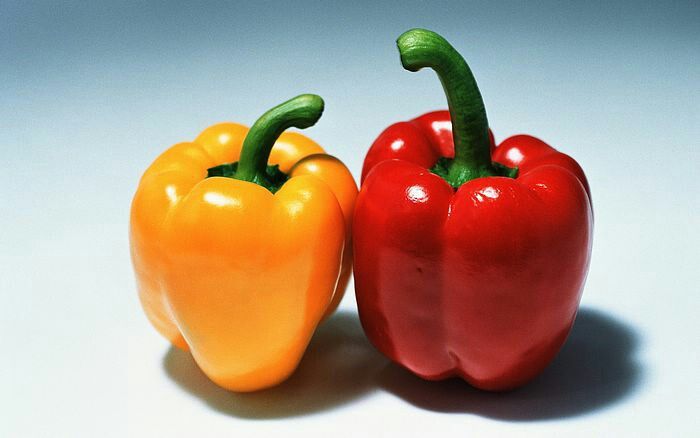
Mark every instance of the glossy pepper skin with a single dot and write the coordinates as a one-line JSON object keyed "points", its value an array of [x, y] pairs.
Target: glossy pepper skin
{"points": [[237, 274], [470, 259]]}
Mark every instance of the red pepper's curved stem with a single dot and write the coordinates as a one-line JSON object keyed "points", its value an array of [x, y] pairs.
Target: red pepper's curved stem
{"points": [[300, 112], [421, 48]]}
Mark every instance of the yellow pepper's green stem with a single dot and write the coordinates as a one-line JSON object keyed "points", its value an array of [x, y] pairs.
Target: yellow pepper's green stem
{"points": [[300, 112]]}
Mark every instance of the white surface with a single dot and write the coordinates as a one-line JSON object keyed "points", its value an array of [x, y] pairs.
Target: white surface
{"points": [[91, 96]]}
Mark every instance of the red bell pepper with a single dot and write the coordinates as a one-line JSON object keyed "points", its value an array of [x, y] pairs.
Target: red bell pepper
{"points": [[470, 259]]}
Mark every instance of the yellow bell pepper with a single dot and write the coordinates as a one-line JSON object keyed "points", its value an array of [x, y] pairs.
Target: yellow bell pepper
{"points": [[240, 262]]}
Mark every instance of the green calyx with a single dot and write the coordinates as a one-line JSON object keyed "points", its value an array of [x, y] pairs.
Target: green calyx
{"points": [[420, 48], [300, 112], [273, 181]]}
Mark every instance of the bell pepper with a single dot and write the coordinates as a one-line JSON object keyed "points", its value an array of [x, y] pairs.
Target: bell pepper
{"points": [[239, 262], [470, 259]]}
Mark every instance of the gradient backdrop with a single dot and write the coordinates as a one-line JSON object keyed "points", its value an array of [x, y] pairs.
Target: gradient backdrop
{"points": [[91, 92]]}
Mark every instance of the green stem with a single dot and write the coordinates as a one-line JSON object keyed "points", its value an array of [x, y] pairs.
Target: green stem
{"points": [[300, 112], [421, 48]]}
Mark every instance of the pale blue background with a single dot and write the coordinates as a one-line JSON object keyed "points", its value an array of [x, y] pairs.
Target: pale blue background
{"points": [[91, 93]]}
